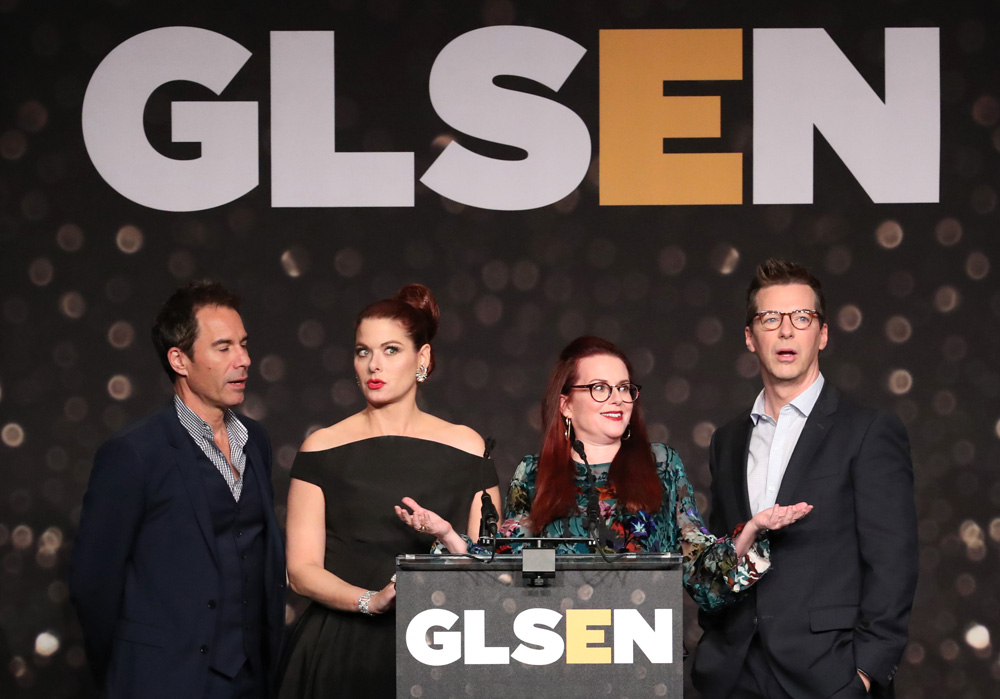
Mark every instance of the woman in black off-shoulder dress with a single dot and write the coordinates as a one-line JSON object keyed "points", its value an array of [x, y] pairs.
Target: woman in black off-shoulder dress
{"points": [[344, 517]]}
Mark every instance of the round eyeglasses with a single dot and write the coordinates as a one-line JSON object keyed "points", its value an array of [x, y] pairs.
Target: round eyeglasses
{"points": [[601, 390], [772, 320]]}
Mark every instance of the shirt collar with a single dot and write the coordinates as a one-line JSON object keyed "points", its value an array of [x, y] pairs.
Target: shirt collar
{"points": [[804, 402], [197, 427]]}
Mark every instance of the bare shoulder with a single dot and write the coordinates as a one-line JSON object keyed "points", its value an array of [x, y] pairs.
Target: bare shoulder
{"points": [[458, 436], [336, 435]]}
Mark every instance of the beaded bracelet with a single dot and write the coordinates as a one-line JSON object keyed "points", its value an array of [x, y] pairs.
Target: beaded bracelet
{"points": [[363, 602]]}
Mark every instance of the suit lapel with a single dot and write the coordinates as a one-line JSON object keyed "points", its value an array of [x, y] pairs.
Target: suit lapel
{"points": [[255, 460], [740, 455], [257, 463], [186, 454], [813, 433]]}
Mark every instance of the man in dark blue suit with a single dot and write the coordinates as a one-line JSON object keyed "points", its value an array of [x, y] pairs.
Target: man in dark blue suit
{"points": [[178, 567], [830, 617]]}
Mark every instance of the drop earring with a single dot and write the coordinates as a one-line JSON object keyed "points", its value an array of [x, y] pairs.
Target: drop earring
{"points": [[569, 426]]}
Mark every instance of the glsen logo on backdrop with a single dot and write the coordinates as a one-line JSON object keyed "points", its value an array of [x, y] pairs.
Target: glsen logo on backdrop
{"points": [[585, 640], [801, 82]]}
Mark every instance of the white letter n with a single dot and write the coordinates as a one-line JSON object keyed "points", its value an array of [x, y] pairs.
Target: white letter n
{"points": [[801, 79]]}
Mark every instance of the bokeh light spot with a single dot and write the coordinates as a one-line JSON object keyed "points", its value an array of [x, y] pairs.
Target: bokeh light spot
{"points": [[295, 262], [524, 275], [838, 260], [678, 390], [75, 408], [120, 387], [947, 299], [41, 271], [702, 434], [129, 239], [889, 234], [725, 259], [46, 644], [984, 199], [13, 145], [12, 434], [22, 537], [898, 329], [72, 305], [121, 334], [849, 318], [348, 262], [495, 275], [747, 365], [900, 382], [32, 116], [948, 231], [709, 330], [944, 402], [489, 310], [672, 260], [311, 333], [977, 266], [181, 264], [272, 368], [978, 637]]}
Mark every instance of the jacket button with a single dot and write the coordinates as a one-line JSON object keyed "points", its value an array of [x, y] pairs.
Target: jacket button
{"points": [[211, 604], [203, 649]]}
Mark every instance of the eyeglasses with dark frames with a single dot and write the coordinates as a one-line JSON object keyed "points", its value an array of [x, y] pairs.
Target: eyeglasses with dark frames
{"points": [[800, 319], [600, 391]]}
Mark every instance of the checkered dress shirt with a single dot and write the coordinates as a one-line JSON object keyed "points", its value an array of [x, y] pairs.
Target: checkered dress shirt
{"points": [[201, 433]]}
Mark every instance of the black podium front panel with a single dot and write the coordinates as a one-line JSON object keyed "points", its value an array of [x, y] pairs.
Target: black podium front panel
{"points": [[467, 628]]}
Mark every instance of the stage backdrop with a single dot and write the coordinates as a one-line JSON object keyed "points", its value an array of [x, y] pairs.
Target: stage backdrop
{"points": [[548, 169]]}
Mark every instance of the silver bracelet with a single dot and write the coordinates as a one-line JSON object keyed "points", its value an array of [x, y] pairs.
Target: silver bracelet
{"points": [[363, 602]]}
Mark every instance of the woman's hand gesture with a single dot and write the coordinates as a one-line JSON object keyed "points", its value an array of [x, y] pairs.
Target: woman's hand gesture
{"points": [[423, 520]]}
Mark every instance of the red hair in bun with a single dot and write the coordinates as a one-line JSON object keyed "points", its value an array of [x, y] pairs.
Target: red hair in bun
{"points": [[415, 309]]}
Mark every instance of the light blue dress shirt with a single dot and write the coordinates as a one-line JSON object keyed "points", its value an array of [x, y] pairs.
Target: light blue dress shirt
{"points": [[772, 443]]}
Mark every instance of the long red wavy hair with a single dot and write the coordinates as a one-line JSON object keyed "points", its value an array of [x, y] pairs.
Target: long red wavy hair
{"points": [[633, 471]]}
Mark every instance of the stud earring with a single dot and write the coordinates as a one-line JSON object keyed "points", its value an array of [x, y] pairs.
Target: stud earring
{"points": [[421, 373]]}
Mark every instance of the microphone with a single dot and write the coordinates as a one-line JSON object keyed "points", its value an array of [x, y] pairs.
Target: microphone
{"points": [[489, 517], [593, 512]]}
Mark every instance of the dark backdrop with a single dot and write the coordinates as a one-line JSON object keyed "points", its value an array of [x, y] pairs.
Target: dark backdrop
{"points": [[912, 295]]}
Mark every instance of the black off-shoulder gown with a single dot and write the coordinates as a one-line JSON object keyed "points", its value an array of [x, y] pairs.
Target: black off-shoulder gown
{"points": [[347, 654]]}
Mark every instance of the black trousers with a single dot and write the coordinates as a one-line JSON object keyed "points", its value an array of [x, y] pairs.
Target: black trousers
{"points": [[758, 681]]}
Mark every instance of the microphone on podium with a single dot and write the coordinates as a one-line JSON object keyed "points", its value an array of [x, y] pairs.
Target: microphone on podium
{"points": [[489, 517], [593, 512]]}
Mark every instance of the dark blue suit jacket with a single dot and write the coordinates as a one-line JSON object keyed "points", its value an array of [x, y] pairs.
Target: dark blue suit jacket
{"points": [[144, 578], [842, 580]]}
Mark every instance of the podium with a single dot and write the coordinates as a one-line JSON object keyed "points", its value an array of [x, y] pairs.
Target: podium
{"points": [[475, 627]]}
